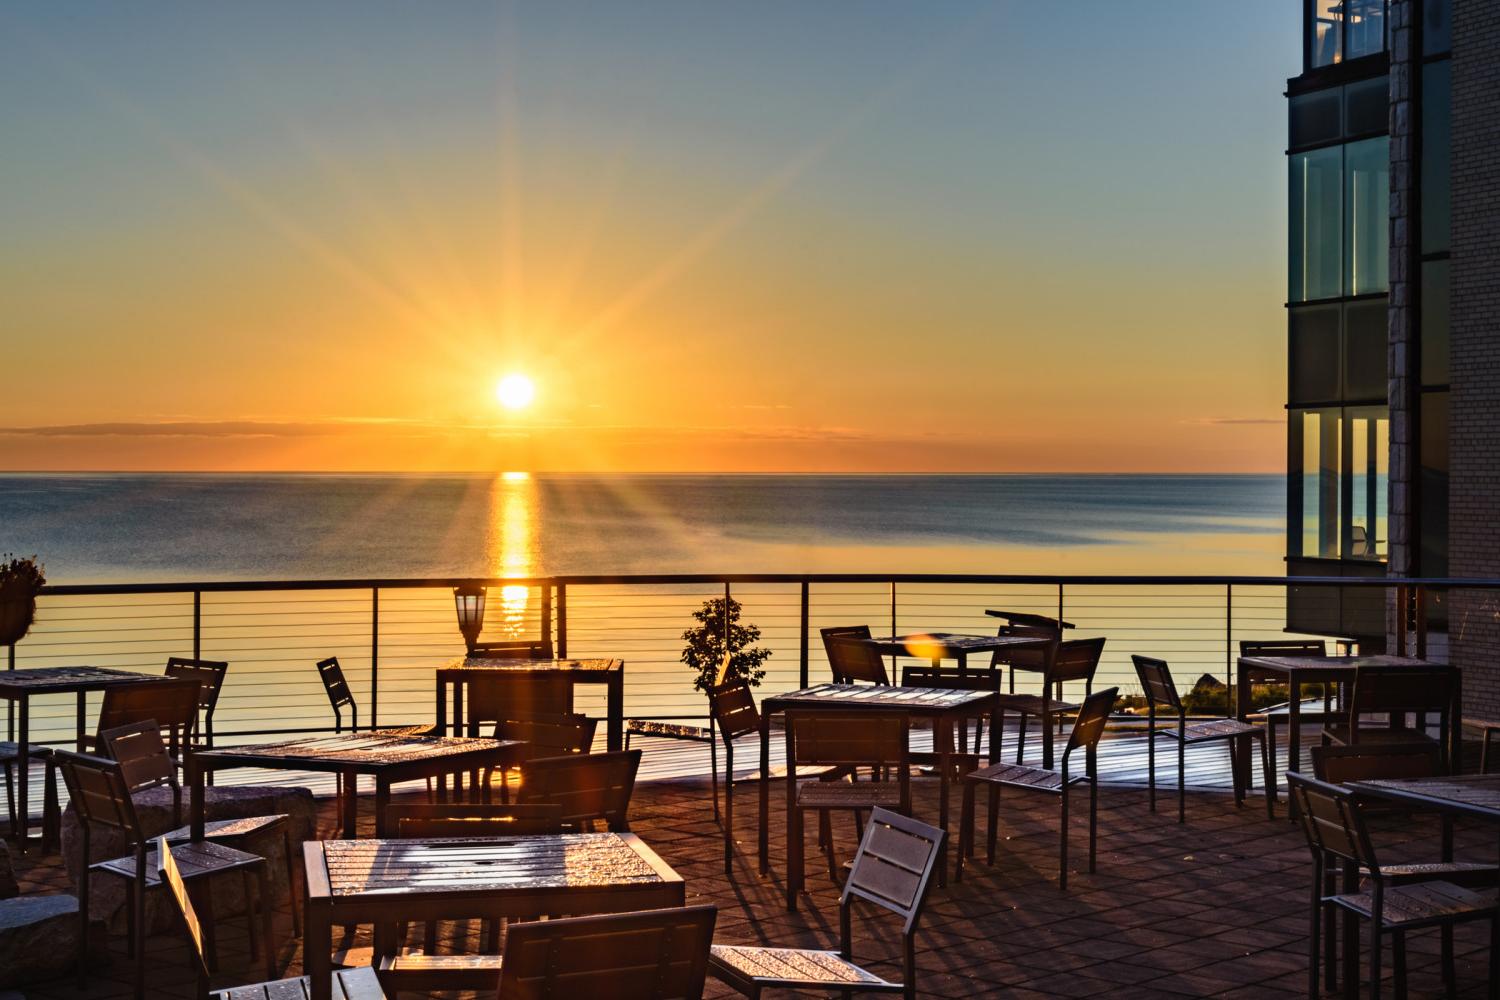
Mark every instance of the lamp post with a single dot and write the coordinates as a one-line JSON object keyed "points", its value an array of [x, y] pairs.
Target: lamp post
{"points": [[468, 602]]}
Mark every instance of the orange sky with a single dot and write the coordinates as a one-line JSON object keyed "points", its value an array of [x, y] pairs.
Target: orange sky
{"points": [[940, 244]]}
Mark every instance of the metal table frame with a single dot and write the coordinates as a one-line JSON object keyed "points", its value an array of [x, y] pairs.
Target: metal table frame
{"points": [[609, 672]]}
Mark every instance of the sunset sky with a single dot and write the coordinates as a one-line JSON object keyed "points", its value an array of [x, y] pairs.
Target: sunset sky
{"points": [[985, 237]]}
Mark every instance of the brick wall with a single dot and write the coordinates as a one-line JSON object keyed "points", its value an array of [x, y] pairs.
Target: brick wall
{"points": [[1474, 498], [1402, 356]]}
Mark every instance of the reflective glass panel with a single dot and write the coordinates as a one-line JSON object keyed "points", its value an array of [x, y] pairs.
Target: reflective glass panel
{"points": [[1435, 322], [1365, 339], [1368, 430], [1437, 30], [1315, 227], [1367, 106], [1367, 195], [1325, 33], [1315, 470], [1364, 27], [1436, 140], [1314, 354], [1314, 118]]}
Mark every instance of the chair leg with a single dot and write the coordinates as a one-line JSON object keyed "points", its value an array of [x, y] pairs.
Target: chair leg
{"points": [[205, 901], [1495, 958], [1021, 738], [1265, 777], [293, 896], [795, 858], [1375, 960], [1450, 978], [83, 911], [994, 827], [1151, 770], [729, 821], [1062, 847], [1398, 962], [10, 796], [265, 921], [1314, 933], [1182, 781], [1093, 824], [249, 914], [825, 832], [1351, 956], [965, 831]]}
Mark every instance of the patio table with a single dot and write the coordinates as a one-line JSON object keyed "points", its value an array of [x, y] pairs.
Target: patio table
{"points": [[20, 686], [382, 882], [609, 672], [1028, 618], [1473, 795], [942, 707], [1299, 670], [388, 756], [939, 646]]}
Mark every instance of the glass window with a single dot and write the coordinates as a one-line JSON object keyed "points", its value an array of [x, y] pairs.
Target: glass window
{"points": [[1315, 226], [1315, 442], [1368, 447], [1433, 499], [1364, 27], [1437, 30], [1436, 139], [1434, 331], [1367, 196], [1325, 33], [1367, 106], [1314, 354], [1314, 118], [1365, 340]]}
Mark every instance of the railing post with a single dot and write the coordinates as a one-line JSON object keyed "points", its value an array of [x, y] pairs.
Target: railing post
{"points": [[1059, 608], [546, 615], [1421, 613], [803, 674], [724, 667], [197, 624], [1229, 650], [562, 621], [1401, 619], [374, 657]]}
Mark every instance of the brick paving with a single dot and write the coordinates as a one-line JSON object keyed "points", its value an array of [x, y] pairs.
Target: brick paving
{"points": [[1217, 907]]}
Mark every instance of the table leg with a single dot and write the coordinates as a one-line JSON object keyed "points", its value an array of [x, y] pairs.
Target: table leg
{"points": [[1456, 726], [1293, 737], [382, 799], [318, 948], [1238, 758], [351, 805], [196, 796], [1046, 728], [765, 793], [23, 772], [943, 731], [83, 709], [440, 715], [794, 836], [615, 712]]}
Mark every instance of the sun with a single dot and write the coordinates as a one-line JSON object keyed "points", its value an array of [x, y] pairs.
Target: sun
{"points": [[515, 391]]}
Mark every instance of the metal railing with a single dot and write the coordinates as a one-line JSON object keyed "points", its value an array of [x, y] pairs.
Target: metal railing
{"points": [[390, 633]]}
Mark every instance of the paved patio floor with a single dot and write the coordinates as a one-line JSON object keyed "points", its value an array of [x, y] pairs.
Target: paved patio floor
{"points": [[1216, 907]]}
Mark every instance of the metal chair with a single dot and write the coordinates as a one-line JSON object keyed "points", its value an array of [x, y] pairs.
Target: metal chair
{"points": [[1156, 682], [348, 984], [426, 971], [850, 660], [1074, 660], [1093, 716], [172, 705], [893, 870], [500, 696], [340, 698], [828, 738], [588, 787], [99, 792], [661, 954], [544, 736], [144, 764], [1288, 647], [1335, 828], [1396, 691], [10, 754], [210, 677]]}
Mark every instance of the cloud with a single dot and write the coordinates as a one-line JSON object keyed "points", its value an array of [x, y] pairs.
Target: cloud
{"points": [[1238, 422]]}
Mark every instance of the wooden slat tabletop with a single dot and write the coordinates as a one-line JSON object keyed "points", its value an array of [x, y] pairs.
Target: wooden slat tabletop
{"points": [[929, 645], [1473, 794], [370, 749], [1330, 664], [366, 867], [869, 696], [476, 664], [54, 680]]}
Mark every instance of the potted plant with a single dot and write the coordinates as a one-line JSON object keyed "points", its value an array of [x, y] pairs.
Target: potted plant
{"points": [[21, 578], [704, 651]]}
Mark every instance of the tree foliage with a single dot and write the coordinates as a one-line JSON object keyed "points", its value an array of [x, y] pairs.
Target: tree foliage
{"points": [[704, 649]]}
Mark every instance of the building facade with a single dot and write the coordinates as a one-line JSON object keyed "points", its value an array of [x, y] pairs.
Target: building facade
{"points": [[1393, 319]]}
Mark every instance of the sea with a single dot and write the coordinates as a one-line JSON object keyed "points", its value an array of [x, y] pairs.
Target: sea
{"points": [[110, 529]]}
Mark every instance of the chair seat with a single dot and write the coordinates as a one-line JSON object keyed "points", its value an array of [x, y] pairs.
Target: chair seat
{"points": [[1214, 729], [1421, 903], [1023, 776], [1468, 874], [668, 730], [849, 795], [227, 829], [195, 859], [792, 968], [348, 984], [440, 972], [1033, 704], [1376, 735]]}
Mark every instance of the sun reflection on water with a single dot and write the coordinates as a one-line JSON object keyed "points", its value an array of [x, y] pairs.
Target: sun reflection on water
{"points": [[512, 537]]}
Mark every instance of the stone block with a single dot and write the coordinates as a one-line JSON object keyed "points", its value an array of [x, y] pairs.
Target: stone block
{"points": [[39, 939]]}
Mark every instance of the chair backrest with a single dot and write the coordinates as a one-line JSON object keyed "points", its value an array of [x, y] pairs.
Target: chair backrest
{"points": [[472, 820], [172, 704], [1156, 682], [1093, 716], [339, 695], [854, 661], [648, 955], [525, 649], [1283, 647], [171, 877], [733, 708], [1400, 689], [550, 735], [1027, 657], [586, 786], [894, 865], [831, 737], [1331, 821], [501, 694], [142, 756], [98, 791], [1376, 761], [1076, 659], [210, 677]]}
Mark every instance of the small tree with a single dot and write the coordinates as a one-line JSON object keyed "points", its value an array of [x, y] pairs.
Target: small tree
{"points": [[704, 651]]}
